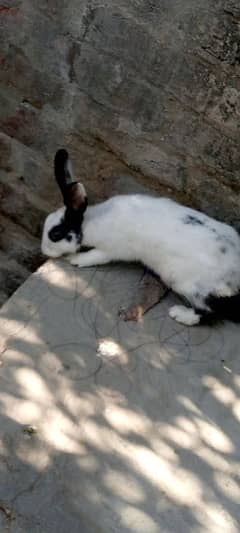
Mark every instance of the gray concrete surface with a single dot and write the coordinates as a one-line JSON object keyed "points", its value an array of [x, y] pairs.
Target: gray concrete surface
{"points": [[113, 427]]}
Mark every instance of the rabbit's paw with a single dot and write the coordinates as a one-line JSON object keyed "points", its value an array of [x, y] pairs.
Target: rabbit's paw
{"points": [[73, 259], [184, 315]]}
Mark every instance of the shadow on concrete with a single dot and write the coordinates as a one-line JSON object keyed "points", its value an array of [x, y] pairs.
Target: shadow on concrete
{"points": [[109, 426]]}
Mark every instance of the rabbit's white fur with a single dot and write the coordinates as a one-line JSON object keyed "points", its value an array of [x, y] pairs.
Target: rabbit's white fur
{"points": [[193, 254]]}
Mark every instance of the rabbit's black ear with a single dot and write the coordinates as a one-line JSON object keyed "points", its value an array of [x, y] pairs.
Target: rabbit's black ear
{"points": [[76, 198], [63, 170]]}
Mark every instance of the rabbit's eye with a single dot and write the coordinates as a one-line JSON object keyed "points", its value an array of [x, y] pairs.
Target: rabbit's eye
{"points": [[57, 234], [69, 237]]}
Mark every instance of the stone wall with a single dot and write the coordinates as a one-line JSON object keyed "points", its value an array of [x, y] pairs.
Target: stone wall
{"points": [[145, 94]]}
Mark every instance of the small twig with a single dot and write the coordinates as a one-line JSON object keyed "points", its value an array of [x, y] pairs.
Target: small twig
{"points": [[7, 511]]}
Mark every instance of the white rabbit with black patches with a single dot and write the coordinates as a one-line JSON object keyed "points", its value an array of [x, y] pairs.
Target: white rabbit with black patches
{"points": [[194, 255]]}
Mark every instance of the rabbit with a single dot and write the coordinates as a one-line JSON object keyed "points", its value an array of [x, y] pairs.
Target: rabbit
{"points": [[194, 255]]}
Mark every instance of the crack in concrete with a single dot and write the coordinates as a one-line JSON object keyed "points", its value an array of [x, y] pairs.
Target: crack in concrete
{"points": [[30, 488]]}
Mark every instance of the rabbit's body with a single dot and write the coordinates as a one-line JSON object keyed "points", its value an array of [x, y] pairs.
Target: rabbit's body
{"points": [[193, 254]]}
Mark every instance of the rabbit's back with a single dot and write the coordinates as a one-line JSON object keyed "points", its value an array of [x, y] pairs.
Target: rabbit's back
{"points": [[189, 250]]}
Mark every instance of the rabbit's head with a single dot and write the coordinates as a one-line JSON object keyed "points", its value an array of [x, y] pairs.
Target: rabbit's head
{"points": [[62, 231]]}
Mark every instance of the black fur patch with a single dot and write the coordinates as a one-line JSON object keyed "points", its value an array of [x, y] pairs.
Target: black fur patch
{"points": [[194, 221], [71, 223], [208, 318], [57, 233], [223, 249], [225, 241], [225, 307]]}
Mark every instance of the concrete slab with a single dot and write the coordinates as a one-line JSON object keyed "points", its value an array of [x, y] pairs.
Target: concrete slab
{"points": [[113, 427]]}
